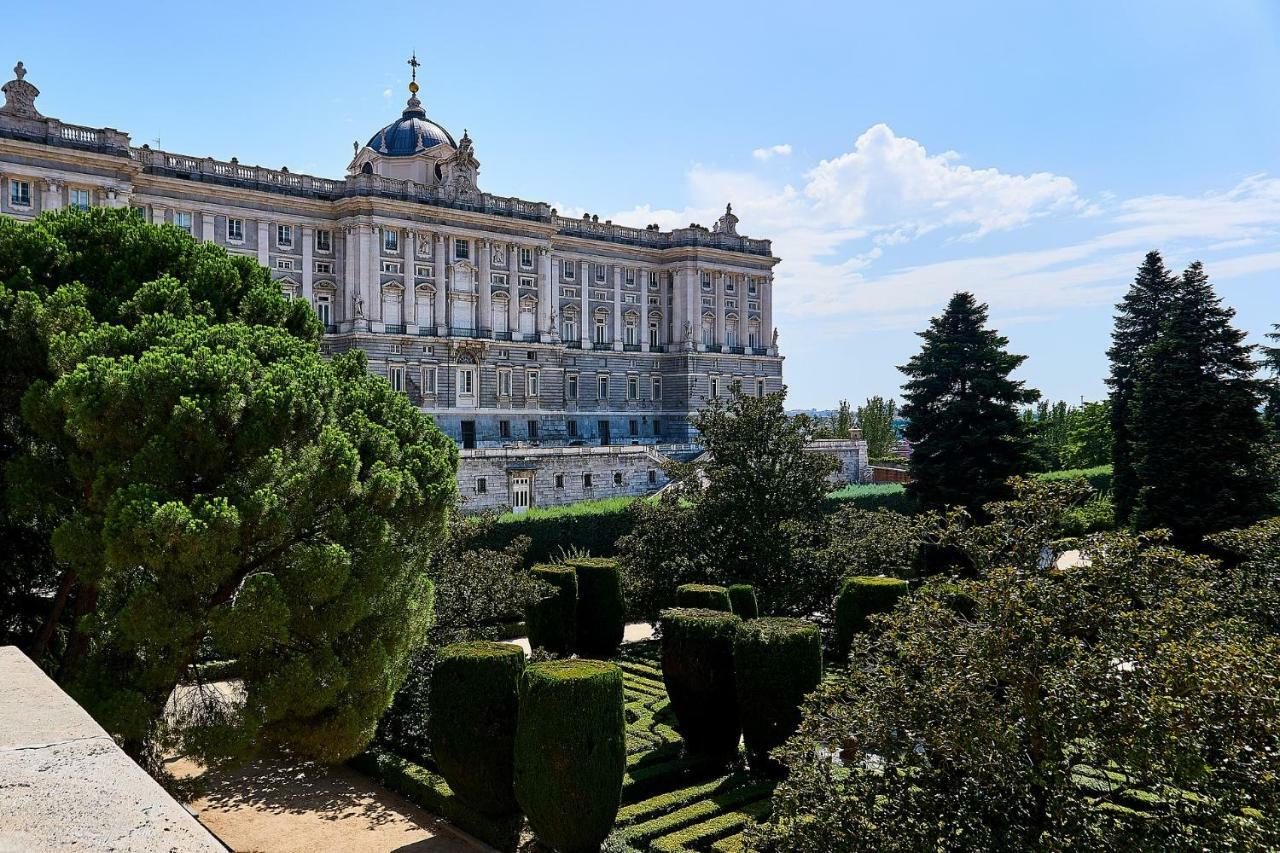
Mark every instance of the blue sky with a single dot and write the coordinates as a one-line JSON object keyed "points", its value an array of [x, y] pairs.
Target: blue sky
{"points": [[894, 152]]}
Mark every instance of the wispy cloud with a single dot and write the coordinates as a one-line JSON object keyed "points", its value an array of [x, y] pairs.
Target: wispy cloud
{"points": [[783, 150], [386, 93]]}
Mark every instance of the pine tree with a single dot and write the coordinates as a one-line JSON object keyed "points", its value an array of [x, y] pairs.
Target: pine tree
{"points": [[1271, 357], [962, 410], [1137, 326], [1198, 439]]}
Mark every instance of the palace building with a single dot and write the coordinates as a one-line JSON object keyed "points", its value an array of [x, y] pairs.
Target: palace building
{"points": [[563, 355]]}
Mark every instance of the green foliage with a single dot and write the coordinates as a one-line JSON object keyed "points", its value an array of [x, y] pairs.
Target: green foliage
{"points": [[844, 420], [473, 722], [1123, 703], [860, 597], [601, 608], [553, 620], [777, 662], [873, 496], [703, 595], [697, 669], [659, 554], [208, 478], [875, 419], [1095, 515], [962, 410], [742, 600], [1089, 438], [593, 526], [570, 752]]}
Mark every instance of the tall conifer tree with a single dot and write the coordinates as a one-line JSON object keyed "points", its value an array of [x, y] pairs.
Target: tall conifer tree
{"points": [[962, 410], [1198, 438], [1138, 318]]}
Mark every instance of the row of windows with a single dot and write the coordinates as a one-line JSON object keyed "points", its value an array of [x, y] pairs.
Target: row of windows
{"points": [[588, 479], [20, 195]]}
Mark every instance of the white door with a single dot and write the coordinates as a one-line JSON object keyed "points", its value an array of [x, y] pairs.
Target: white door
{"points": [[521, 494], [467, 386]]}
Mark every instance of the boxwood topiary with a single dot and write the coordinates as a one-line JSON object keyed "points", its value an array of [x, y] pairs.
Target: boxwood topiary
{"points": [[473, 721], [742, 598], [570, 752], [703, 595], [553, 621], [860, 597], [601, 611], [697, 669], [776, 663]]}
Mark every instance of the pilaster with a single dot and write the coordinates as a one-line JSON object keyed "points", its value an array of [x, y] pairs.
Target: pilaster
{"points": [[484, 287], [308, 268], [442, 295], [617, 308]]}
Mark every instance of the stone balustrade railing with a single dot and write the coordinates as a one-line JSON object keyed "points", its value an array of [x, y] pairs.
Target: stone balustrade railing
{"points": [[51, 131]]}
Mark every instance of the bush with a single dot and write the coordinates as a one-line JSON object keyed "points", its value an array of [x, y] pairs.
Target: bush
{"points": [[703, 595], [553, 620], [473, 721], [776, 662], [742, 600], [697, 669], [594, 526], [570, 752], [860, 597], [601, 610]]}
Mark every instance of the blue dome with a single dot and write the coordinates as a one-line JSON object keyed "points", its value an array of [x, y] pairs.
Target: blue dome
{"points": [[411, 133]]}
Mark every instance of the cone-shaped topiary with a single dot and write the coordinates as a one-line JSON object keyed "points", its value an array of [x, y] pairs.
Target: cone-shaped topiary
{"points": [[553, 621], [777, 662], [860, 597], [697, 669], [570, 752], [473, 722], [742, 598], [703, 595], [601, 611]]}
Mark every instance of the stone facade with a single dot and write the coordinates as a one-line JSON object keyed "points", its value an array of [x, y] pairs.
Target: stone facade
{"points": [[519, 477], [512, 326]]}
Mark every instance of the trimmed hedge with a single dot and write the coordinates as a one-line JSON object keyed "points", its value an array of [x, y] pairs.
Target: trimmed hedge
{"points": [[473, 721], [860, 597], [601, 610], [553, 621], [703, 595], [570, 752], [697, 669], [595, 528], [776, 662], [742, 600]]}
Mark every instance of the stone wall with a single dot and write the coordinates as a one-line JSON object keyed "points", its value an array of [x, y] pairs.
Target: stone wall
{"points": [[557, 475], [855, 465]]}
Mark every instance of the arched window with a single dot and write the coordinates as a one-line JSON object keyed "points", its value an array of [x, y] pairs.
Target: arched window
{"points": [[753, 333], [569, 325], [731, 330], [708, 330]]}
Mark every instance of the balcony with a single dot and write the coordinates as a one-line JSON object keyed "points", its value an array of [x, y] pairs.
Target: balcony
{"points": [[392, 329], [736, 350], [426, 331], [601, 345], [573, 344], [657, 348], [502, 336], [631, 348], [460, 332], [331, 328], [713, 348]]}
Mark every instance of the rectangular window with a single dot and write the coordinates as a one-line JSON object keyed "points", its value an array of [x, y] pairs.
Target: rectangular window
{"points": [[461, 249], [715, 387], [631, 298], [396, 376], [708, 301], [559, 481], [653, 476], [759, 387], [140, 211], [570, 268], [482, 485], [526, 257], [706, 281], [600, 269], [602, 388], [656, 389], [390, 240], [182, 219], [504, 429], [729, 286], [752, 287], [633, 427], [617, 478], [531, 383], [571, 428], [527, 282], [504, 382], [633, 388], [586, 481], [422, 271], [428, 380], [631, 276], [653, 281], [80, 199], [324, 267], [20, 194], [284, 264], [235, 229], [392, 267], [284, 236], [324, 241], [657, 427], [571, 387], [533, 429]]}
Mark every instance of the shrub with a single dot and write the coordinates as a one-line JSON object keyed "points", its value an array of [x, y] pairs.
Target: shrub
{"points": [[594, 526], [553, 620], [473, 721], [742, 600], [697, 669], [703, 595], [570, 752], [601, 615], [860, 597], [776, 662]]}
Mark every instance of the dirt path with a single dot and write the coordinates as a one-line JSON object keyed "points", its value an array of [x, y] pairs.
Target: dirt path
{"points": [[273, 807]]}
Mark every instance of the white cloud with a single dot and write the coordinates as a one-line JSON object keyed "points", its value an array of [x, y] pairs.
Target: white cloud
{"points": [[783, 150], [386, 93]]}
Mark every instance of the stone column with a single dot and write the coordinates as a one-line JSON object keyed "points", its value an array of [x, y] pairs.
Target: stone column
{"points": [[349, 285], [513, 293], [720, 310], [546, 296], [676, 307], [53, 198], [410, 290], [372, 299], [484, 322], [308, 268], [587, 322], [642, 282], [617, 308], [264, 245], [442, 296], [766, 314], [206, 227]]}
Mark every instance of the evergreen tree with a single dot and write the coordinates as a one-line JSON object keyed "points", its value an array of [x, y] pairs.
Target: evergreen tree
{"points": [[1198, 440], [962, 410], [875, 419], [1137, 326], [844, 420], [1271, 356]]}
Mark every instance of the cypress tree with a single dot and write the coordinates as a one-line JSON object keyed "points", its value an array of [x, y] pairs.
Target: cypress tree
{"points": [[1198, 438], [1137, 325], [962, 410]]}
